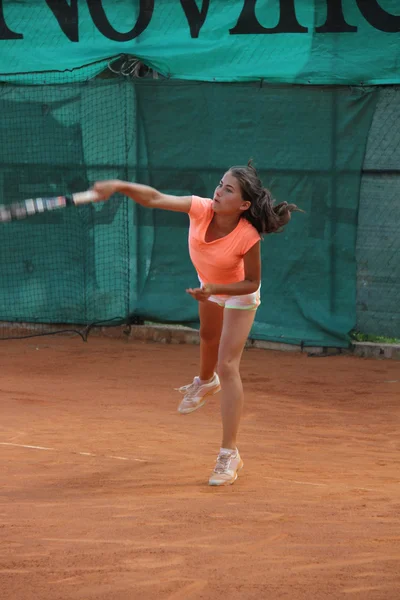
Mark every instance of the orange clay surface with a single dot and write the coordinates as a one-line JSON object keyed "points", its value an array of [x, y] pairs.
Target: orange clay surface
{"points": [[111, 501]]}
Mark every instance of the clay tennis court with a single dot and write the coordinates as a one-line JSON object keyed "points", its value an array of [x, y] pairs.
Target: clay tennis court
{"points": [[104, 489]]}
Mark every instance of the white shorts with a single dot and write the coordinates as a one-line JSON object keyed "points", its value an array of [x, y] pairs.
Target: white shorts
{"points": [[245, 302]]}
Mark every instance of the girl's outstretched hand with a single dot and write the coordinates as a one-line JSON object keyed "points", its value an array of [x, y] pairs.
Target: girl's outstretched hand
{"points": [[105, 189], [201, 294]]}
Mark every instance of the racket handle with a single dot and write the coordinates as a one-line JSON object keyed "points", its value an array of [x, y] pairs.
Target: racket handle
{"points": [[85, 197]]}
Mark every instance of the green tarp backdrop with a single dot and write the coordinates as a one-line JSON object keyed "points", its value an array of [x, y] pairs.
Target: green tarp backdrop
{"points": [[290, 41], [113, 259]]}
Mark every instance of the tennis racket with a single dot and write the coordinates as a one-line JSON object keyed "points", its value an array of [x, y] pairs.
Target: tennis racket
{"points": [[33, 206]]}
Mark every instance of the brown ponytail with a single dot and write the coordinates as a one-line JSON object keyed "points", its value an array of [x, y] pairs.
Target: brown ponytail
{"points": [[263, 214]]}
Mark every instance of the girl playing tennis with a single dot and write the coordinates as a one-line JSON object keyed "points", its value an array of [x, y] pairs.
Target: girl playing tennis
{"points": [[224, 246]]}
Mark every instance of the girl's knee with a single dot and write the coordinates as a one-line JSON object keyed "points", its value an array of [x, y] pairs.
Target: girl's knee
{"points": [[227, 368]]}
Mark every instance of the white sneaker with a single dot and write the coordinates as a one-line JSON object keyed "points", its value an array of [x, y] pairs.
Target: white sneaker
{"points": [[197, 393], [227, 466]]}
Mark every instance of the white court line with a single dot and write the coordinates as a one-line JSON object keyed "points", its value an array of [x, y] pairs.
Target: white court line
{"points": [[325, 485], [72, 452], [24, 446], [124, 458]]}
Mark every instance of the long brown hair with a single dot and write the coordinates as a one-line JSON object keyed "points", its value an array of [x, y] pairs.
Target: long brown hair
{"points": [[263, 214]]}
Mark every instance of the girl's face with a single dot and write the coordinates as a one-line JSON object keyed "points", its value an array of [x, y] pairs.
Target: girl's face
{"points": [[228, 198]]}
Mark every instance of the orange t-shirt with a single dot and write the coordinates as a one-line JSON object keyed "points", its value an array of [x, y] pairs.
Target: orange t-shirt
{"points": [[220, 261]]}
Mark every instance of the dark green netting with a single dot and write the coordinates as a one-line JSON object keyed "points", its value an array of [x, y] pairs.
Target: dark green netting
{"points": [[378, 235], [73, 265]]}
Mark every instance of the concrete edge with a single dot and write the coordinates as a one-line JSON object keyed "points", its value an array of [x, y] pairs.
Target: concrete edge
{"points": [[179, 334], [176, 334], [376, 350]]}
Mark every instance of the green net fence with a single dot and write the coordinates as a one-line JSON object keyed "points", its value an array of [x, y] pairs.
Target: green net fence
{"points": [[378, 237], [62, 267], [117, 262]]}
